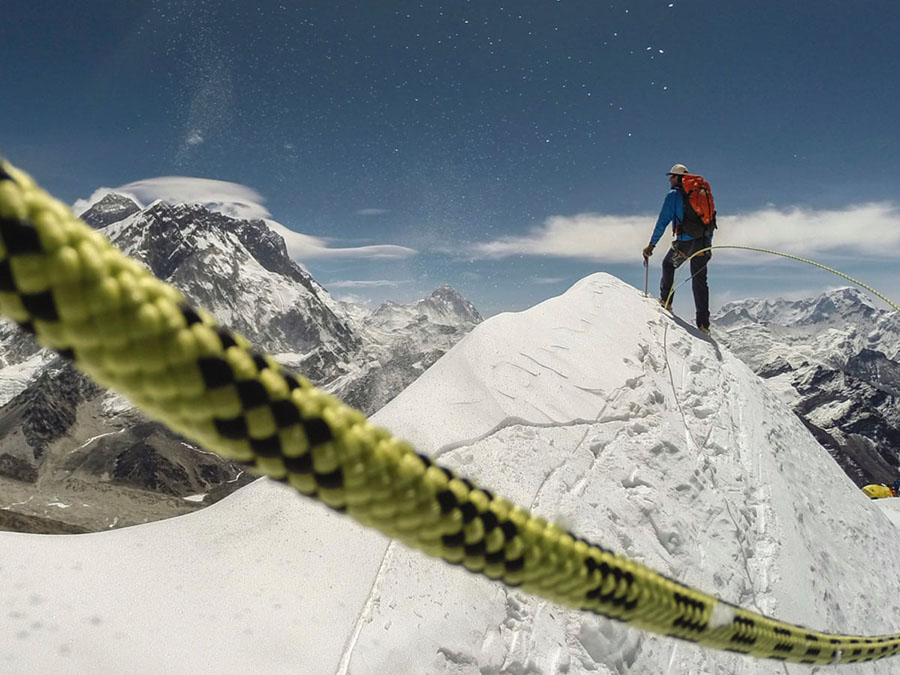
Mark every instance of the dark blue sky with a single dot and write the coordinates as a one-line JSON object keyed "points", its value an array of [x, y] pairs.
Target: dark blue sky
{"points": [[464, 122]]}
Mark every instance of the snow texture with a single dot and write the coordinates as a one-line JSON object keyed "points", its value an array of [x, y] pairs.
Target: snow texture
{"points": [[595, 409]]}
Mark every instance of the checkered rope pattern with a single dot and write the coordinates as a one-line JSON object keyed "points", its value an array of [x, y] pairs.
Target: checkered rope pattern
{"points": [[129, 331]]}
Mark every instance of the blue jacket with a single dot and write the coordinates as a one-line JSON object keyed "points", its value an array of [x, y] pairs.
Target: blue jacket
{"points": [[672, 212]]}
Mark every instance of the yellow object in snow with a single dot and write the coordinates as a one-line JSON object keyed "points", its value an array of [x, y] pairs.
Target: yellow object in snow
{"points": [[878, 491]]}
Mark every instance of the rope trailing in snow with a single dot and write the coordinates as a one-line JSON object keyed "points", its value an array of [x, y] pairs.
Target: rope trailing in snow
{"points": [[66, 283], [790, 257]]}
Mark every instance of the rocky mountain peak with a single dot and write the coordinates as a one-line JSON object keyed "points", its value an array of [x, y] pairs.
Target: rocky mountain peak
{"points": [[842, 304], [447, 301], [444, 306], [240, 270], [112, 208]]}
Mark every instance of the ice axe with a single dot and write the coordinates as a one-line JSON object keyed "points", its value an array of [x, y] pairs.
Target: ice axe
{"points": [[646, 278]]}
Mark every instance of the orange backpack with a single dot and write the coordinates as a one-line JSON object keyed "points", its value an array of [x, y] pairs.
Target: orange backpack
{"points": [[699, 197]]}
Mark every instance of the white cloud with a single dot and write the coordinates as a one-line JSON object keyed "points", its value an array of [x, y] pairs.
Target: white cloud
{"points": [[82, 205], [303, 247], [586, 236], [232, 199], [210, 87], [374, 283], [194, 138], [865, 229], [371, 212]]}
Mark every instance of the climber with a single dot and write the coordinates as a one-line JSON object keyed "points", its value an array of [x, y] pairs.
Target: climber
{"points": [[690, 208]]}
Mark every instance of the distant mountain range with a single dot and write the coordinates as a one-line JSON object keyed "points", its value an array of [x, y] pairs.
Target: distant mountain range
{"points": [[74, 457], [835, 359]]}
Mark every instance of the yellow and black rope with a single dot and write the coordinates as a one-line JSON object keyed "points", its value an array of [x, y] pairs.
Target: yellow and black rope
{"points": [[64, 282]]}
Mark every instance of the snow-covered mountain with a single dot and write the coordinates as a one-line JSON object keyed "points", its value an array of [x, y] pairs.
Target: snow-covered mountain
{"points": [[21, 360], [444, 307], [112, 208], [73, 456], [596, 409], [402, 342], [835, 359], [240, 271]]}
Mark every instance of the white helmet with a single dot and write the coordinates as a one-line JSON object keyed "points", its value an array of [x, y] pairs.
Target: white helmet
{"points": [[678, 170]]}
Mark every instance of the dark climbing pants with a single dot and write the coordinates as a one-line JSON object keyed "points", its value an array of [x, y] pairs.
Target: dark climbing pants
{"points": [[681, 251]]}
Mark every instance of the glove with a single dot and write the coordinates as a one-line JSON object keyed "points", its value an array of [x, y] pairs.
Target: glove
{"points": [[648, 251]]}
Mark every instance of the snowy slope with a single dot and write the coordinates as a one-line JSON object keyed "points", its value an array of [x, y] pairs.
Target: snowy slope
{"points": [[891, 508], [260, 583], [21, 360], [594, 408]]}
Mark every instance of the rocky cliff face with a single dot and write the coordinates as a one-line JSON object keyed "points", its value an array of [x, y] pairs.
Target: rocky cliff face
{"points": [[69, 457], [38, 416]]}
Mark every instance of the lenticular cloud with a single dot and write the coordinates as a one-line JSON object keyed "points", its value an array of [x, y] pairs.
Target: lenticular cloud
{"points": [[232, 199]]}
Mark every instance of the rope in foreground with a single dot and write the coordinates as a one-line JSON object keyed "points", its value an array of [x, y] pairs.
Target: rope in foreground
{"points": [[64, 282]]}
